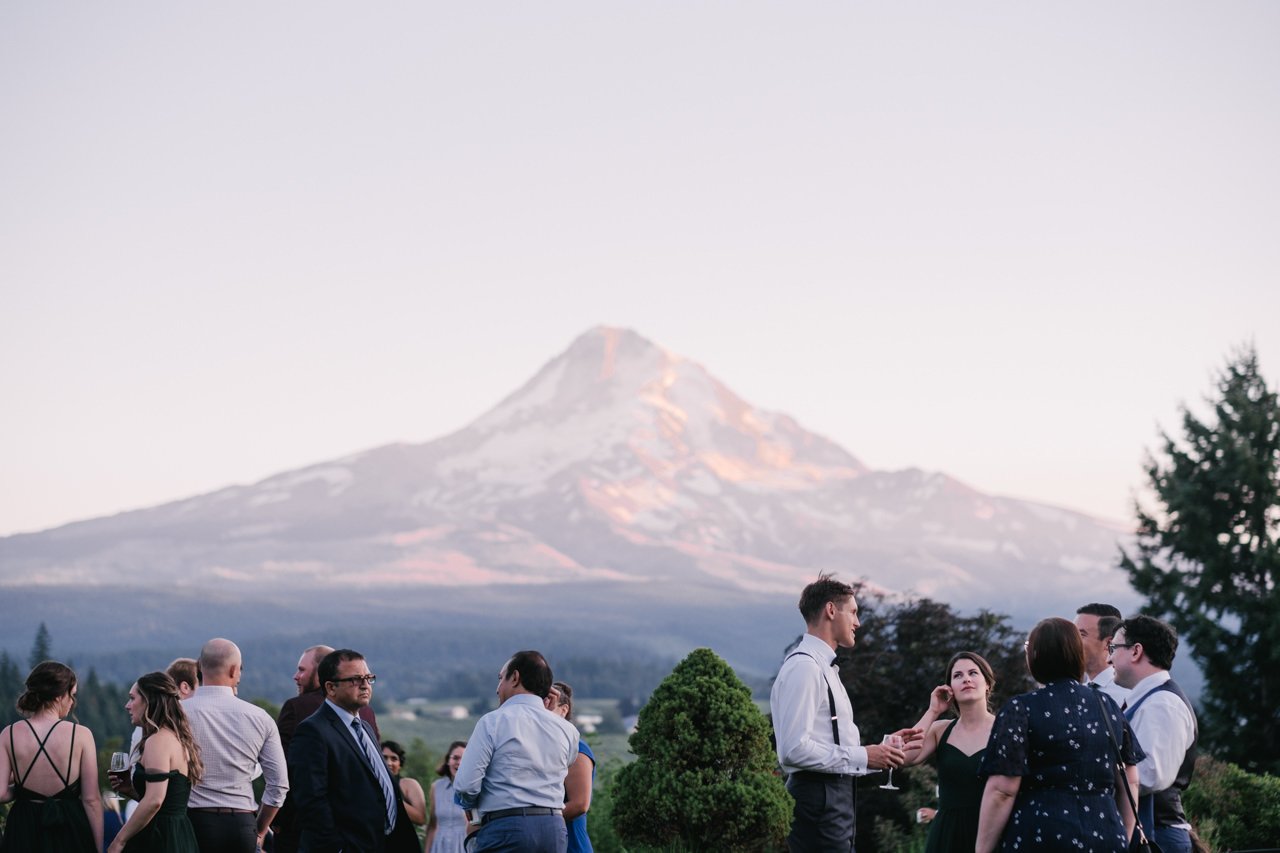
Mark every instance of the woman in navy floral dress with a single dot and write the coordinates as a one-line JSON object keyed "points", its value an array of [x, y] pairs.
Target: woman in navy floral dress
{"points": [[1050, 764]]}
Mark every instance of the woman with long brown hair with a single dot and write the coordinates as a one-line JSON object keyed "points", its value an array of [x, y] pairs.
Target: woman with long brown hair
{"points": [[447, 826], [168, 765], [51, 770]]}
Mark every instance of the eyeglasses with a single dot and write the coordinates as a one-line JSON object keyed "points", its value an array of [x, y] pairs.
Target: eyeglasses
{"points": [[1111, 647], [355, 679]]}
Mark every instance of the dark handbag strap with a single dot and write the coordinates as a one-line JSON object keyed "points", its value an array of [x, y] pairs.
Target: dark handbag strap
{"points": [[1124, 776]]}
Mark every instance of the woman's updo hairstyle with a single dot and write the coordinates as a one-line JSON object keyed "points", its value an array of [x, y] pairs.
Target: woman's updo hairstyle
{"points": [[46, 684]]}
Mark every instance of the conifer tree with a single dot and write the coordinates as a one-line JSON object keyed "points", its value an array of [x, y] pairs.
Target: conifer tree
{"points": [[1208, 559], [703, 777], [41, 648]]}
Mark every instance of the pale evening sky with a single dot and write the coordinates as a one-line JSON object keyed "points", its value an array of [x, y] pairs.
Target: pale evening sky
{"points": [[1000, 240]]}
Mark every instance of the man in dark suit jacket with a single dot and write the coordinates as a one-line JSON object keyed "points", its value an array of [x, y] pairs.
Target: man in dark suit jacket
{"points": [[309, 699], [344, 794]]}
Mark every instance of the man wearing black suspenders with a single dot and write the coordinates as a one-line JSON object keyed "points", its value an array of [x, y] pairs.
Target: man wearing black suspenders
{"points": [[1164, 723], [818, 744]]}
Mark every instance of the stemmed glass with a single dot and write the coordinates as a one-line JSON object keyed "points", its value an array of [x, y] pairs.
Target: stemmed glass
{"points": [[119, 766], [896, 742]]}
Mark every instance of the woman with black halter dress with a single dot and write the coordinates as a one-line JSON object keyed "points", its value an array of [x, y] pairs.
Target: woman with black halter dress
{"points": [[168, 765], [49, 766]]}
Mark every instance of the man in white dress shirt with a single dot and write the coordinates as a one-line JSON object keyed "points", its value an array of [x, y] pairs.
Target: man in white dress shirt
{"points": [[512, 773], [1097, 668], [1163, 722], [235, 737], [818, 743]]}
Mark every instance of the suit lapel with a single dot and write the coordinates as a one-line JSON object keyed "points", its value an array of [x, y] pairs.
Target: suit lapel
{"points": [[348, 738]]}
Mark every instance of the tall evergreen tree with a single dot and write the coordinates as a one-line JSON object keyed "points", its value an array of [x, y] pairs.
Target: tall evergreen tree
{"points": [[703, 775], [41, 648], [1208, 561]]}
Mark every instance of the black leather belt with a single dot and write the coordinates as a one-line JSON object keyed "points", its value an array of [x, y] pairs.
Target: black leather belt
{"points": [[527, 811], [815, 776]]}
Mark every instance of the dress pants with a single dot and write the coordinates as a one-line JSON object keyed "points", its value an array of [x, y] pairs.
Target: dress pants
{"points": [[523, 834], [235, 832], [824, 817], [1172, 840]]}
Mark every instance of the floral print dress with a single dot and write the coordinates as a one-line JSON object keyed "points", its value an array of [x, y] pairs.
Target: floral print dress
{"points": [[1056, 739]]}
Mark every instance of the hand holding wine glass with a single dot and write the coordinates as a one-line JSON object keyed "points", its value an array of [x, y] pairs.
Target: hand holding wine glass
{"points": [[896, 742], [118, 773]]}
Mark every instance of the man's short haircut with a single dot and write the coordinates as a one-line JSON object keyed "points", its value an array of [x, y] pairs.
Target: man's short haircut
{"points": [[217, 655], [1054, 651], [1107, 627], [328, 669], [317, 653], [1159, 640], [535, 672], [815, 596], [1096, 609], [183, 669]]}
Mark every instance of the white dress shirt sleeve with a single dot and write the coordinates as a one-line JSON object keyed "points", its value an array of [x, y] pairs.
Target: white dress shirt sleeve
{"points": [[1166, 729]]}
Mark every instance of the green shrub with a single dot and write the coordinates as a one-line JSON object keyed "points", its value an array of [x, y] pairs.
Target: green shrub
{"points": [[704, 773], [1232, 809]]}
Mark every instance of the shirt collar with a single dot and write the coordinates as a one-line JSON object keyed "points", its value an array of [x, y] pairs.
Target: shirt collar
{"points": [[1104, 678], [211, 689], [1146, 685], [809, 644], [343, 714], [524, 699]]}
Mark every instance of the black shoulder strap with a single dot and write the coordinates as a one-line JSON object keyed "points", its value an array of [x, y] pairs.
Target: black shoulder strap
{"points": [[40, 748], [831, 697], [946, 734]]}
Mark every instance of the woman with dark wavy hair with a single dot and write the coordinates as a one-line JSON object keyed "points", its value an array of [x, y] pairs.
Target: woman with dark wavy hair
{"points": [[51, 770], [959, 746], [1050, 764], [168, 765]]}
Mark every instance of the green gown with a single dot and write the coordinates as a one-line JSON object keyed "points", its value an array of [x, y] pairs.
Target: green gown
{"points": [[55, 823], [169, 831], [955, 827]]}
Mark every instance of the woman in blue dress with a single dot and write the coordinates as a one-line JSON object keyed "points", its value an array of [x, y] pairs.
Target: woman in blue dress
{"points": [[1050, 763], [447, 825], [577, 785]]}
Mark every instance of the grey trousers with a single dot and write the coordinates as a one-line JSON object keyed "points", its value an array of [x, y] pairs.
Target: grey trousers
{"points": [[824, 816]]}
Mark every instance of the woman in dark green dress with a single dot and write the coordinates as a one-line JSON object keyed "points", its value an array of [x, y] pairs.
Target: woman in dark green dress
{"points": [[168, 764], [959, 745], [50, 767]]}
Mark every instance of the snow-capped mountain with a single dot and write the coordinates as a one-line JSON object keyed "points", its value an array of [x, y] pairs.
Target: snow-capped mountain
{"points": [[618, 462]]}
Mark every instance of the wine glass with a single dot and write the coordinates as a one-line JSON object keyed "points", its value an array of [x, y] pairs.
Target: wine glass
{"points": [[119, 766], [896, 742]]}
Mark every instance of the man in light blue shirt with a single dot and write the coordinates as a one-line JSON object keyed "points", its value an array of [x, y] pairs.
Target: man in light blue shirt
{"points": [[511, 779]]}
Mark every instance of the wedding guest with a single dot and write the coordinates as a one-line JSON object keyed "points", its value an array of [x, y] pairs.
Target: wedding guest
{"points": [[447, 826], [49, 765], [1051, 762], [959, 745], [411, 802], [168, 763]]}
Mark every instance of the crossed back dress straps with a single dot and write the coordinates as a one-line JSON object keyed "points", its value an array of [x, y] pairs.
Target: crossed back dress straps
{"points": [[41, 750]]}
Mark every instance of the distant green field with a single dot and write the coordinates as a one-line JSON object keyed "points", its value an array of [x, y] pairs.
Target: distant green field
{"points": [[403, 723]]}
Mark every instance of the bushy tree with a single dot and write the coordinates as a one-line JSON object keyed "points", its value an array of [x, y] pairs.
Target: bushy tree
{"points": [[704, 773], [1208, 561]]}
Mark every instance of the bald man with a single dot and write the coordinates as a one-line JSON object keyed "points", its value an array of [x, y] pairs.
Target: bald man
{"points": [[234, 737]]}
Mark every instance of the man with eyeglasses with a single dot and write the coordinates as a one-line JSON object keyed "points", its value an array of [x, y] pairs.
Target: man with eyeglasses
{"points": [[1163, 721], [344, 794], [309, 699]]}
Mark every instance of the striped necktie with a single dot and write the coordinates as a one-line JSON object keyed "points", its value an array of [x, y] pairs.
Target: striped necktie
{"points": [[379, 771]]}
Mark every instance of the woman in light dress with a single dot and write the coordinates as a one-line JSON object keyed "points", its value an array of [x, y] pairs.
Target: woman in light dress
{"points": [[447, 826]]}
